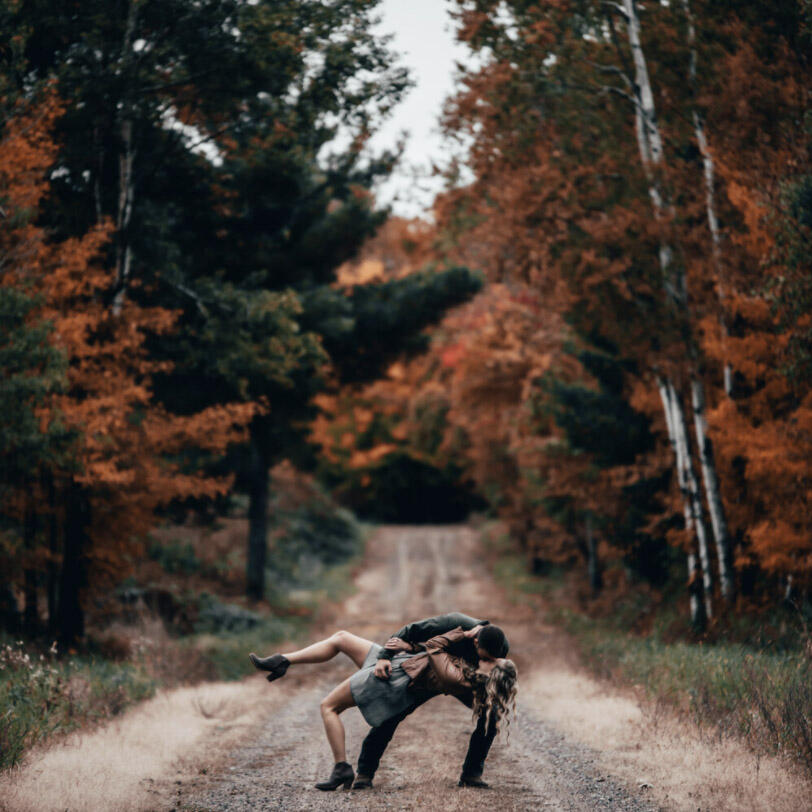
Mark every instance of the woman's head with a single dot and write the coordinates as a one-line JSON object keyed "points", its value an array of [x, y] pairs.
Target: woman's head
{"points": [[495, 692]]}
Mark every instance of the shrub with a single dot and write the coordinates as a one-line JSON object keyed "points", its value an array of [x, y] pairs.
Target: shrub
{"points": [[215, 616], [175, 557], [309, 531]]}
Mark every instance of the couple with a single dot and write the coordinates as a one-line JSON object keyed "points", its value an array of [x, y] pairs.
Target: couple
{"points": [[449, 654]]}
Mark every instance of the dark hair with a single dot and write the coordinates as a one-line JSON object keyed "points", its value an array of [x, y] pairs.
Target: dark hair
{"points": [[493, 640]]}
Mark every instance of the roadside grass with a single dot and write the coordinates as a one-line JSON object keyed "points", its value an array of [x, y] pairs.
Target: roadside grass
{"points": [[761, 693], [41, 696], [761, 696]]}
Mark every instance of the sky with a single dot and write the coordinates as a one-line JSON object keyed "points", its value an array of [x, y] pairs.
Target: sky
{"points": [[424, 37]]}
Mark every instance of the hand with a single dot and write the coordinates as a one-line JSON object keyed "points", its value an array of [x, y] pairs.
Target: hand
{"points": [[383, 669], [471, 633], [396, 644]]}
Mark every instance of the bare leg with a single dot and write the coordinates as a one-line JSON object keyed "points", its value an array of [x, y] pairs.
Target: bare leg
{"points": [[355, 647], [337, 701]]}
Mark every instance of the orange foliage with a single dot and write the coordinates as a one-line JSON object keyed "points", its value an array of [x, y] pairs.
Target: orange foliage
{"points": [[126, 448]]}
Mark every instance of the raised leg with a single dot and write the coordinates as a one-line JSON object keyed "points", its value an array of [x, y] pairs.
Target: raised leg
{"points": [[336, 702], [355, 647]]}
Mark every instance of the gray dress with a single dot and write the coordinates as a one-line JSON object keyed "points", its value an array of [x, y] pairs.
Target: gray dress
{"points": [[380, 699]]}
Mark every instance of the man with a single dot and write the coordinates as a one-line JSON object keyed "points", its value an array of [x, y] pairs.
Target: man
{"points": [[489, 643]]}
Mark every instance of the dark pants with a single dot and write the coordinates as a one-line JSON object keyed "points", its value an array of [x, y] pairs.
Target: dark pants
{"points": [[379, 737]]}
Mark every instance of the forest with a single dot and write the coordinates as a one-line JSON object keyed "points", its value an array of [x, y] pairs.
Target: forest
{"points": [[598, 341]]}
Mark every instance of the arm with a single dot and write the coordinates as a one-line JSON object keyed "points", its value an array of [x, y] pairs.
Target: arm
{"points": [[442, 641], [422, 630]]}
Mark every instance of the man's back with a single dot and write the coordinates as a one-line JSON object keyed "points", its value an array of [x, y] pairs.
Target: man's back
{"points": [[422, 630]]}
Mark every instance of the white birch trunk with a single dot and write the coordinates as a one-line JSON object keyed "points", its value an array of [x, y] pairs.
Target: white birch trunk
{"points": [[709, 174], [126, 196], [650, 147], [689, 485], [710, 478], [126, 185], [789, 590], [697, 608], [716, 508]]}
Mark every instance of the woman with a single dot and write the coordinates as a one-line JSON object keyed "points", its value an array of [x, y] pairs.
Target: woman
{"points": [[490, 688]]}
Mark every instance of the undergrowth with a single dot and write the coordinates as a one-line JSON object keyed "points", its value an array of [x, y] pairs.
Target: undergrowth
{"points": [[226, 652]]}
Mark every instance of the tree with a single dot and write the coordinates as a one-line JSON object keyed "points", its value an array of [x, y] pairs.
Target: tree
{"points": [[107, 455]]}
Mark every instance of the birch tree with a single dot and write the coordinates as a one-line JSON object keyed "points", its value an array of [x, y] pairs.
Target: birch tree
{"points": [[706, 456], [652, 156]]}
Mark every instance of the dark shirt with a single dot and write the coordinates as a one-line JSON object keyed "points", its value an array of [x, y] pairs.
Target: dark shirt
{"points": [[422, 630]]}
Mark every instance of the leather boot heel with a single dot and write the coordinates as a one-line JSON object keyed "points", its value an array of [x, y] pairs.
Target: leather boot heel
{"points": [[277, 664], [342, 775]]}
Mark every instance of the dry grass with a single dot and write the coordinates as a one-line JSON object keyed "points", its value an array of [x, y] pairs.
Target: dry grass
{"points": [[646, 744], [120, 765]]}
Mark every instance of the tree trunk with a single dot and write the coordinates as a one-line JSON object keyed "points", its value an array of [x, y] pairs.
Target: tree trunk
{"points": [[53, 550], [593, 563], [125, 206], [709, 175], [712, 491], [257, 516], [710, 479], [689, 488], [650, 147], [699, 619], [30, 579], [71, 620], [9, 613], [694, 495], [126, 181], [789, 590]]}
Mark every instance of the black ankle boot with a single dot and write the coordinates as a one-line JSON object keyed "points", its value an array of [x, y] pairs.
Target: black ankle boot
{"points": [[342, 774], [277, 664], [473, 781], [362, 781]]}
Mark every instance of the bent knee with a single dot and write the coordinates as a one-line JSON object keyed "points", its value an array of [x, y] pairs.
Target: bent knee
{"points": [[341, 636], [328, 706]]}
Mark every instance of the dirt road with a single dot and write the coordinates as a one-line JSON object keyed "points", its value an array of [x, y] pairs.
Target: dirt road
{"points": [[578, 744], [411, 573]]}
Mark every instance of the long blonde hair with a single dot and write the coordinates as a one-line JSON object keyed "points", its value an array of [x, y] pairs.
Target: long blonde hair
{"points": [[495, 694]]}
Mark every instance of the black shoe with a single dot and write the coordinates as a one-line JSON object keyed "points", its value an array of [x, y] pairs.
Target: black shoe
{"points": [[277, 664], [362, 781], [342, 774], [473, 781]]}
